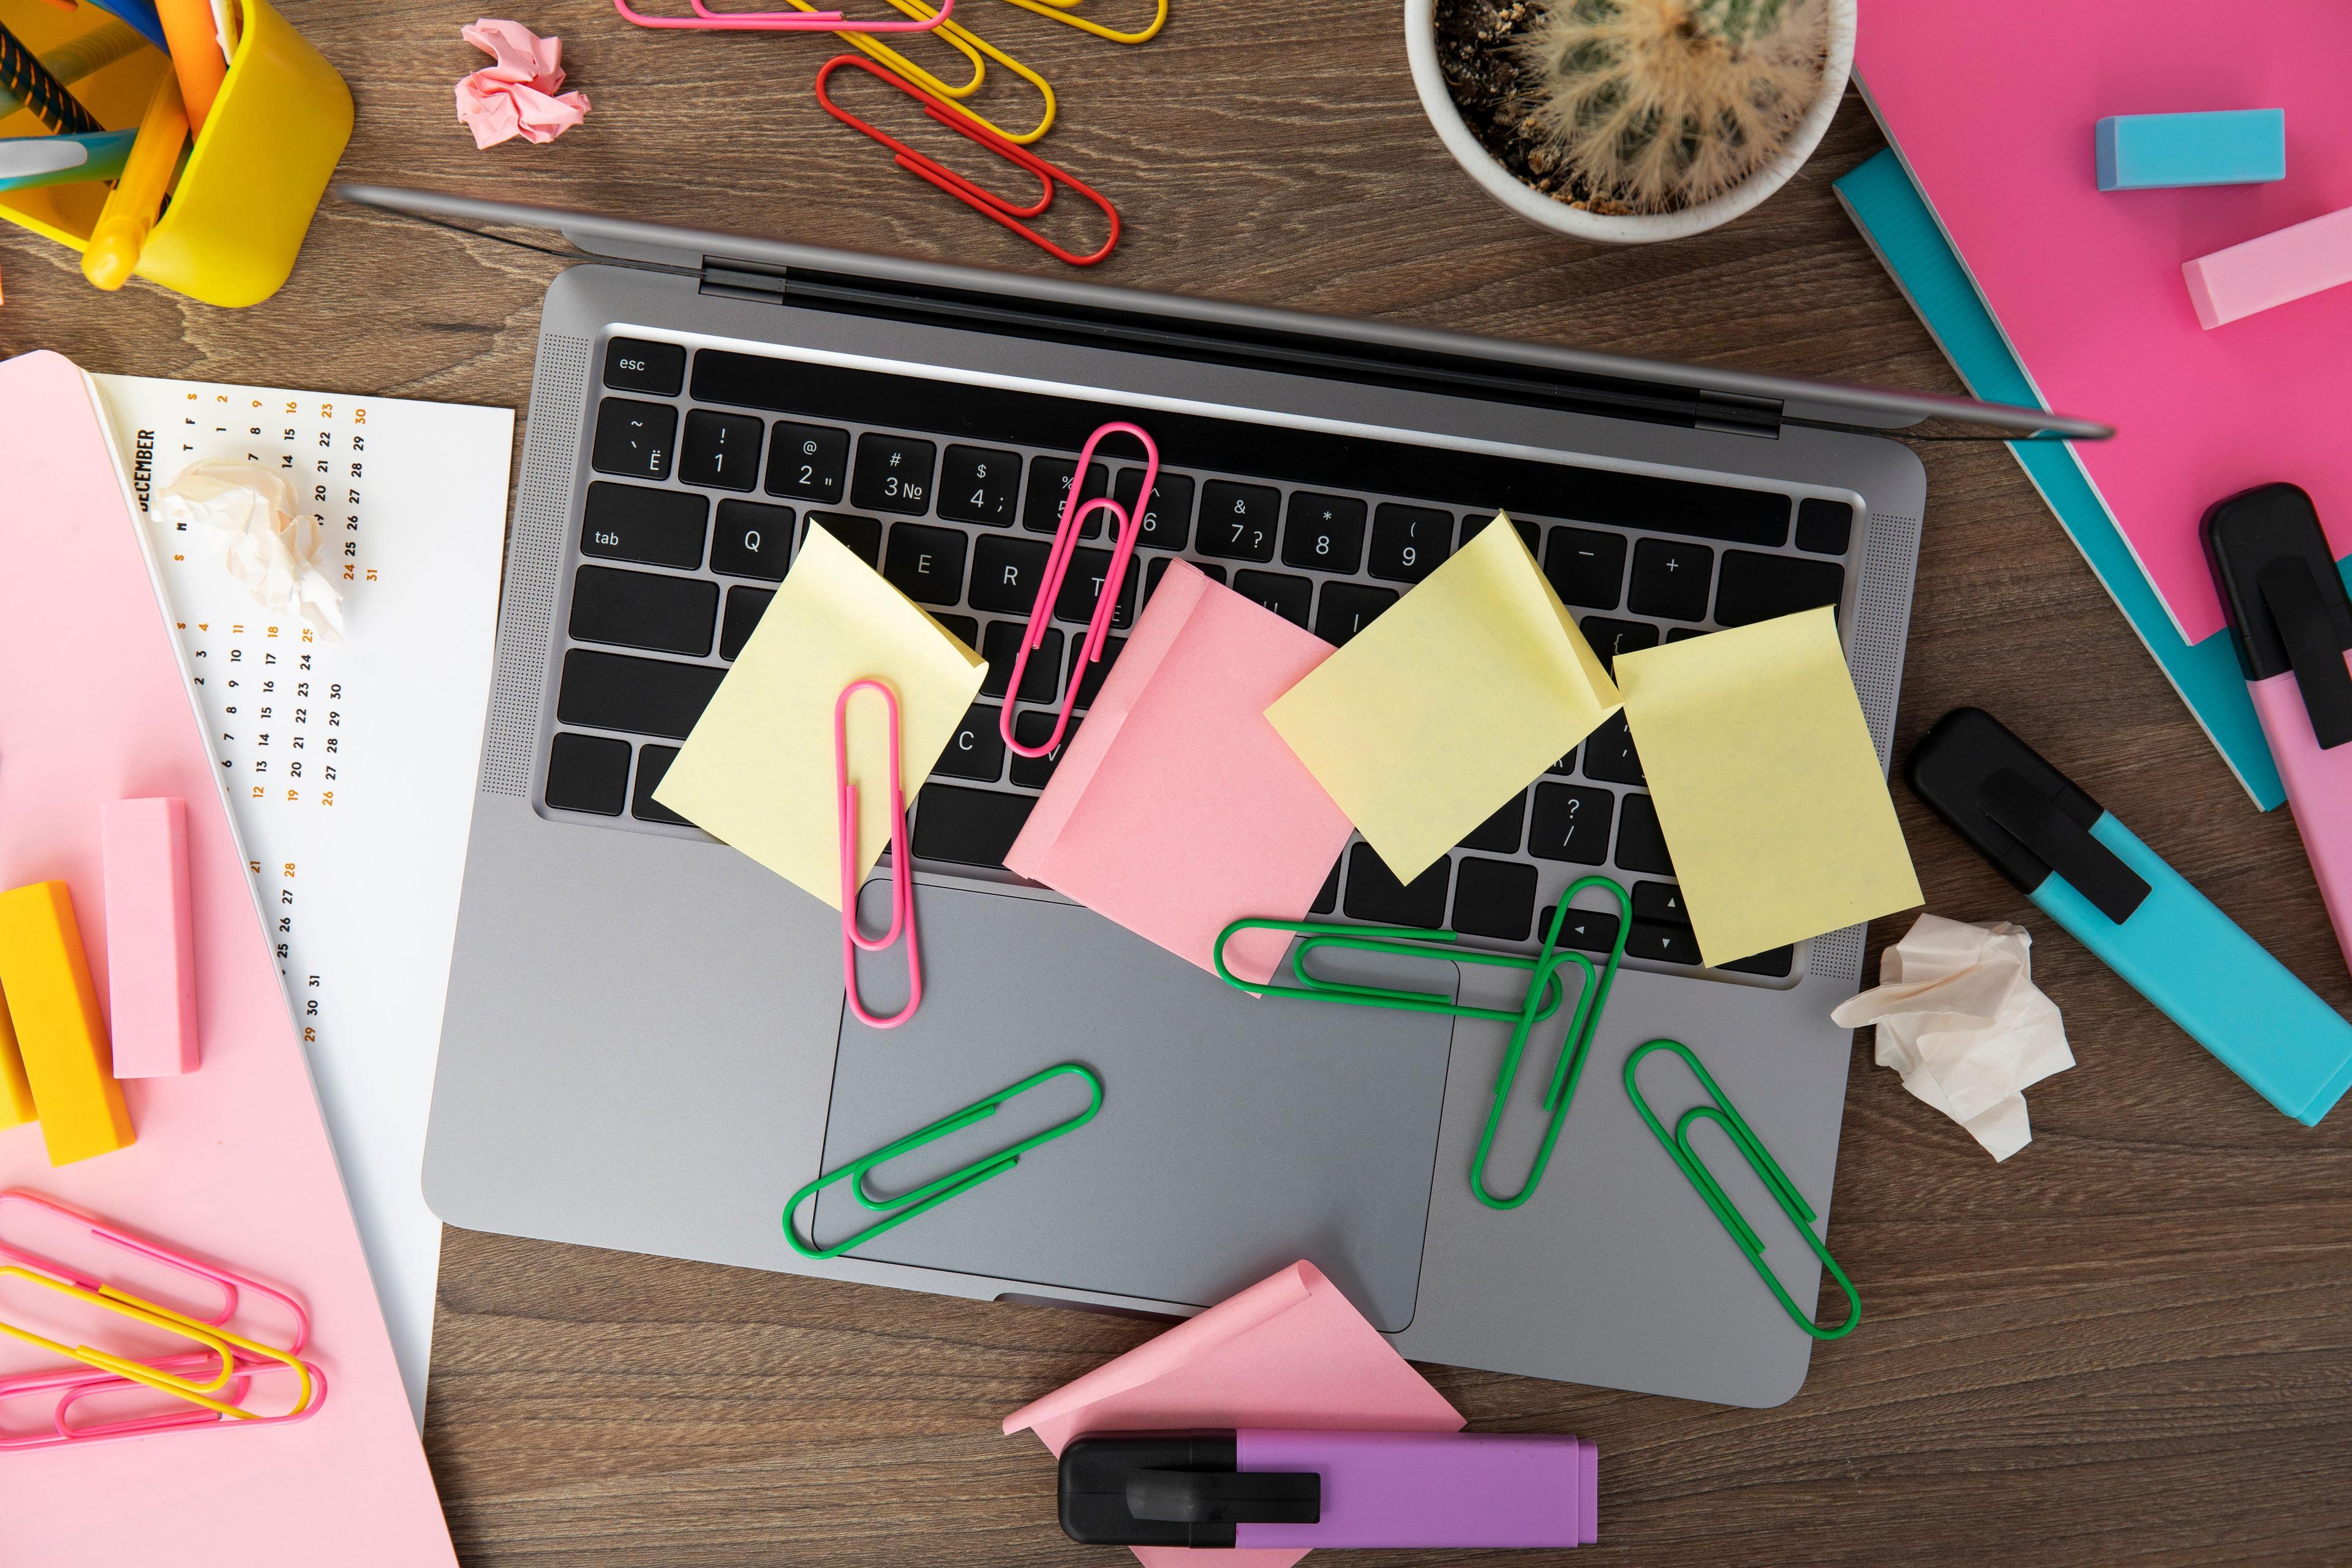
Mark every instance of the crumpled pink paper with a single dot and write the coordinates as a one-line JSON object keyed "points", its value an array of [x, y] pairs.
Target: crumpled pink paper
{"points": [[515, 94]]}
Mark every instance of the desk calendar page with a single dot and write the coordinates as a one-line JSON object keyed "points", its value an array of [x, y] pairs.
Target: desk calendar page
{"points": [[350, 766]]}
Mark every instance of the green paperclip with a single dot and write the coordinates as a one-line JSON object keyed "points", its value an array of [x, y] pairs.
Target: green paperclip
{"points": [[1396, 941], [931, 1194], [1768, 1170], [1574, 1045]]}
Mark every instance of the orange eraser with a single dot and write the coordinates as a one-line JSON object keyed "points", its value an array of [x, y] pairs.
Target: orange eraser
{"points": [[45, 974], [15, 1094]]}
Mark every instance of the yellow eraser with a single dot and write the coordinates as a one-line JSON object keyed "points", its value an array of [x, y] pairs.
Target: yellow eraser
{"points": [[44, 975], [15, 1094]]}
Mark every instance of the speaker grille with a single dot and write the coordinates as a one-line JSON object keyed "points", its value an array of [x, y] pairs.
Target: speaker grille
{"points": [[550, 453]]}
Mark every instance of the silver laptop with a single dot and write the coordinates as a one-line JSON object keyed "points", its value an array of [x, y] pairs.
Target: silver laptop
{"points": [[646, 1045]]}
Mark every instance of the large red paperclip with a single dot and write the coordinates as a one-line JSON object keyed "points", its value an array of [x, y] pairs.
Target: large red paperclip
{"points": [[707, 20], [902, 874], [926, 167], [1057, 564]]}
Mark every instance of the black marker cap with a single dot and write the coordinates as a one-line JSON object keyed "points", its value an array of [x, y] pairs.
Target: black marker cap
{"points": [[2285, 598], [1175, 1489]]}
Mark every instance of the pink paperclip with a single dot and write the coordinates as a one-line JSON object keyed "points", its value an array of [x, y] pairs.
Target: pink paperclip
{"points": [[140, 1426], [73, 1383], [1057, 563], [231, 1285], [707, 20], [902, 875]]}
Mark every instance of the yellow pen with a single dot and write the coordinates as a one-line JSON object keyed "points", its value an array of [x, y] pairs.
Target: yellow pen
{"points": [[120, 232]]}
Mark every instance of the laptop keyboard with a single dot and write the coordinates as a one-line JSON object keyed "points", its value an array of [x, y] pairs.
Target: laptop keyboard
{"points": [[705, 485]]}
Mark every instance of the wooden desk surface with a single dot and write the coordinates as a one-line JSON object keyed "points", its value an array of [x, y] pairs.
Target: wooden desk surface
{"points": [[2131, 1343]]}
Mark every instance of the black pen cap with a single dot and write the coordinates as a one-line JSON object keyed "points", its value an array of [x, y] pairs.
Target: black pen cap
{"points": [[2244, 536]]}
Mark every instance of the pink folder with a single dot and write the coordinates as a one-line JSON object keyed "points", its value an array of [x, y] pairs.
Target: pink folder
{"points": [[1177, 810], [1992, 106], [232, 1161], [1290, 1353]]}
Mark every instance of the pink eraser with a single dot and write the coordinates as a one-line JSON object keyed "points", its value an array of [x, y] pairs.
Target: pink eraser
{"points": [[2271, 271], [151, 960]]}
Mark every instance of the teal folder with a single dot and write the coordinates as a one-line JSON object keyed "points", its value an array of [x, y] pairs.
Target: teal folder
{"points": [[1887, 206]]}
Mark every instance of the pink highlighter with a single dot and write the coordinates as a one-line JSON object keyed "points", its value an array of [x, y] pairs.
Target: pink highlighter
{"points": [[2291, 620]]}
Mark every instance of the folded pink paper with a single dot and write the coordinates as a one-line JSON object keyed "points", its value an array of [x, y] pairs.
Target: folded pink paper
{"points": [[1177, 809], [1289, 1352], [515, 94]]}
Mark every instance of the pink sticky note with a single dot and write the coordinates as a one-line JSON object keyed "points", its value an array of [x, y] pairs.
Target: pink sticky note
{"points": [[150, 955], [515, 95], [1177, 809], [2286, 264], [1288, 1354]]}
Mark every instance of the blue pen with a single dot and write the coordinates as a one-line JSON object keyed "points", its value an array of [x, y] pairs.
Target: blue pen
{"points": [[139, 14], [29, 161], [2137, 913]]}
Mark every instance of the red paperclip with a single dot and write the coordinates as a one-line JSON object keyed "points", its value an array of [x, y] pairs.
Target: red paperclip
{"points": [[925, 167], [902, 875], [705, 19], [1057, 564]]}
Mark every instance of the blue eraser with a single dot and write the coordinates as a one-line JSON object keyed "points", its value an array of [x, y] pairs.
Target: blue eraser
{"points": [[2222, 147]]}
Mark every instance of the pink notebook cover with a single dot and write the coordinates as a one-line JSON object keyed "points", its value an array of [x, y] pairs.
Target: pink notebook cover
{"points": [[1991, 107], [232, 1161]]}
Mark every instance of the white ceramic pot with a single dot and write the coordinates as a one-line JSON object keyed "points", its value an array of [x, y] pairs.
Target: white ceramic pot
{"points": [[1429, 82]]}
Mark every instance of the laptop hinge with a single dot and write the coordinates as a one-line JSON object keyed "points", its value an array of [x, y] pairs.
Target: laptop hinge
{"points": [[1735, 414], [743, 280]]}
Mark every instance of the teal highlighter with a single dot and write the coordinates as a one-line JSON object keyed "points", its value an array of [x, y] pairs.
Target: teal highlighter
{"points": [[29, 161], [2091, 875]]}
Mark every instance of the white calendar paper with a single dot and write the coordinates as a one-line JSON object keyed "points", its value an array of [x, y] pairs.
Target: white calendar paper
{"points": [[350, 768]]}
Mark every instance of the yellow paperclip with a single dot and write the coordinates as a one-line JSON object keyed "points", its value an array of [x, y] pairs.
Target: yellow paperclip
{"points": [[968, 44], [212, 1337], [1059, 11]]}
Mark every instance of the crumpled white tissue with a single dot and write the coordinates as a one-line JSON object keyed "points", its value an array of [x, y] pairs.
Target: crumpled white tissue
{"points": [[1959, 1018], [251, 515]]}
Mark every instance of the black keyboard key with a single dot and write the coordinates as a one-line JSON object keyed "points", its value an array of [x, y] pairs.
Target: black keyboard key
{"points": [[1587, 569], [1495, 897], [1775, 962], [649, 696], [1566, 765], [1049, 487], [1662, 940], [977, 485], [862, 534], [1825, 528], [1348, 608], [1034, 728], [1499, 834], [1006, 574], [633, 438], [1670, 579], [653, 767], [1082, 586], [1090, 677], [1571, 823], [1285, 595], [1041, 678], [927, 563], [976, 751], [1167, 522], [588, 773], [1323, 533], [744, 608], [631, 365], [639, 609], [752, 540], [963, 628], [1375, 894], [629, 522], [968, 826], [808, 461], [1685, 634], [1327, 899], [893, 474], [1237, 522], [721, 450], [1757, 587], [1660, 901], [1587, 931], [1609, 639], [1641, 842], [1409, 542], [1530, 535], [1609, 753]]}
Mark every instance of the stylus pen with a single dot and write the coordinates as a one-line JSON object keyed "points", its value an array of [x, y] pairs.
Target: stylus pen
{"points": [[1253, 1489], [2291, 621], [2089, 872]]}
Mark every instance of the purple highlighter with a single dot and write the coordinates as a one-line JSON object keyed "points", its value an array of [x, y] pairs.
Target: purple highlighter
{"points": [[1330, 1488]]}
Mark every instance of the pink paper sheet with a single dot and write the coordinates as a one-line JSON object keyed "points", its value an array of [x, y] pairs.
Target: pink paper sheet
{"points": [[232, 1161], [515, 94], [1991, 106], [1177, 810], [1288, 1352]]}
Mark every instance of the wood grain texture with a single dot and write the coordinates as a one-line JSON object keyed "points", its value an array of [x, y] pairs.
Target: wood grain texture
{"points": [[2130, 1344]]}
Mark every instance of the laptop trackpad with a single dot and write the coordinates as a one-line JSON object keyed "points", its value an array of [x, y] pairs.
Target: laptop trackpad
{"points": [[1237, 1136]]}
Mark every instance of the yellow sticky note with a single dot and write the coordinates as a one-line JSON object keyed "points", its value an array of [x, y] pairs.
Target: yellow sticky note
{"points": [[1436, 714], [1767, 786], [758, 770]]}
